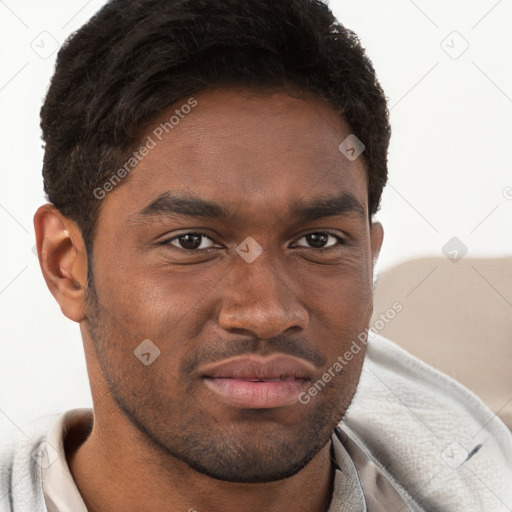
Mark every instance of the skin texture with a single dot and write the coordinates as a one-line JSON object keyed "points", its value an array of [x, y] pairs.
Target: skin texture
{"points": [[161, 439]]}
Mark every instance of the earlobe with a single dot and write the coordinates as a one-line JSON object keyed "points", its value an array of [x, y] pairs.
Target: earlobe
{"points": [[63, 260]]}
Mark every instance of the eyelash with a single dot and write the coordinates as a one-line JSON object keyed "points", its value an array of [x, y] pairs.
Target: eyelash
{"points": [[341, 241]]}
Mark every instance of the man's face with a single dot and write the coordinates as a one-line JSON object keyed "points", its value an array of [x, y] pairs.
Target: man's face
{"points": [[170, 272]]}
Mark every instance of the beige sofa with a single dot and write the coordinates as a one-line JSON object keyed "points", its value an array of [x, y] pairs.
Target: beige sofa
{"points": [[457, 316]]}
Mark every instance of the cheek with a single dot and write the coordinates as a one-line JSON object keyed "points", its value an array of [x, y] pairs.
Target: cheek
{"points": [[340, 309], [166, 306], [344, 288]]}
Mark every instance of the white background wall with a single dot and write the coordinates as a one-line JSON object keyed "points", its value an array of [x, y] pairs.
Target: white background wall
{"points": [[450, 162]]}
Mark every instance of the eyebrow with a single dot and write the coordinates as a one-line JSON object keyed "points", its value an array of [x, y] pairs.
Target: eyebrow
{"points": [[344, 204], [169, 204], [172, 204]]}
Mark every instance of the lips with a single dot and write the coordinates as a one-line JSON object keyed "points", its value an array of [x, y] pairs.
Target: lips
{"points": [[257, 382]]}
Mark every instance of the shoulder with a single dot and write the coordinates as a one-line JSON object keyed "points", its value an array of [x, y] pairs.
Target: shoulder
{"points": [[20, 467], [434, 437]]}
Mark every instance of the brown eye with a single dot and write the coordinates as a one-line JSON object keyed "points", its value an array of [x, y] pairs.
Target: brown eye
{"points": [[191, 241], [320, 240]]}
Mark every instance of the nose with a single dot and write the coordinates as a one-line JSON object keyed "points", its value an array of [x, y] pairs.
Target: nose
{"points": [[259, 299]]}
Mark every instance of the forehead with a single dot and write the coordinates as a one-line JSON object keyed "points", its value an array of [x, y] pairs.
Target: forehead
{"points": [[249, 151]]}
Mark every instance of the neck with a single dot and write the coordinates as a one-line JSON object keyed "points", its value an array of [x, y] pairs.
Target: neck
{"points": [[118, 470]]}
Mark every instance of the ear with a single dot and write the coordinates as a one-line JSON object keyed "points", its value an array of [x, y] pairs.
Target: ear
{"points": [[376, 237], [63, 260]]}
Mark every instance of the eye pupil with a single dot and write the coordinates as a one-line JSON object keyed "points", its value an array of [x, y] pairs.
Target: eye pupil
{"points": [[317, 240], [190, 241]]}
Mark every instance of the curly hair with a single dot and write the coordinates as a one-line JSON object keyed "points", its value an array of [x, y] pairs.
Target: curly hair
{"points": [[135, 58]]}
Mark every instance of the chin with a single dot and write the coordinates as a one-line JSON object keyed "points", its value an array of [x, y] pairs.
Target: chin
{"points": [[248, 474]]}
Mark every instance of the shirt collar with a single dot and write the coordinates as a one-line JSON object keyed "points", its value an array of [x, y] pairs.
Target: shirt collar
{"points": [[347, 491]]}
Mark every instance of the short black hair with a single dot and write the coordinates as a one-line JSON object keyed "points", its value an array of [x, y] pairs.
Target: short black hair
{"points": [[135, 58]]}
